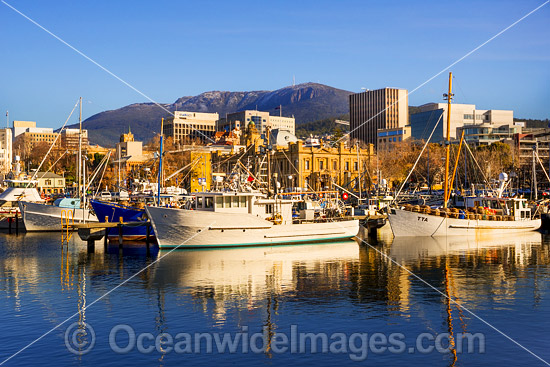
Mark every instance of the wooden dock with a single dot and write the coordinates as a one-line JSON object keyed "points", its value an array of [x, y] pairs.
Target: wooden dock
{"points": [[91, 232]]}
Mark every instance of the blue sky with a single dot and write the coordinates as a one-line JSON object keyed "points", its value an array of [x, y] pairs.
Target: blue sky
{"points": [[169, 49]]}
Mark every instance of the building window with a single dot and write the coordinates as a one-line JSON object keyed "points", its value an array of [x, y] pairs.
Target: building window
{"points": [[321, 164], [307, 164], [346, 166], [355, 166], [334, 165]]}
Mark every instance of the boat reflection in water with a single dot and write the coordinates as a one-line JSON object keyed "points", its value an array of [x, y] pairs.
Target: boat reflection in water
{"points": [[250, 275], [404, 249]]}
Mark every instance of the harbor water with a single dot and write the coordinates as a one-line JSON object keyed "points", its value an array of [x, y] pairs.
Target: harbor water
{"points": [[408, 301]]}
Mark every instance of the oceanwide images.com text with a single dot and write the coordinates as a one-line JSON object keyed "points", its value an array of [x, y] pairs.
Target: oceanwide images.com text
{"points": [[80, 339]]}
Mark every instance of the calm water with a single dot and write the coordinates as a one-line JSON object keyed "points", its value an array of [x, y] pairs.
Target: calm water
{"points": [[344, 292]]}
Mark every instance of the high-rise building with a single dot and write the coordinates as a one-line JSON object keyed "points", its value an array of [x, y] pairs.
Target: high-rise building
{"points": [[371, 110], [184, 126]]}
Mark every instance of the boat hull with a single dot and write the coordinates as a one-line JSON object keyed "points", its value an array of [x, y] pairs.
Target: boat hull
{"points": [[407, 223], [47, 218], [180, 228], [113, 212]]}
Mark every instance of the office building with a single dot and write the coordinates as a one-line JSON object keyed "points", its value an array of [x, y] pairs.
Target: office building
{"points": [[20, 127], [486, 134], [186, 126], [34, 136], [282, 123], [388, 137], [262, 120], [70, 138], [369, 111], [423, 122]]}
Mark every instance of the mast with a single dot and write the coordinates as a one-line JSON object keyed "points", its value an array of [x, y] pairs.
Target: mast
{"points": [[359, 172], [79, 174], [448, 96], [534, 180], [160, 162], [428, 169], [84, 190]]}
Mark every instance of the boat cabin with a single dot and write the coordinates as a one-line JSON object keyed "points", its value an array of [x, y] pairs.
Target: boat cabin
{"points": [[19, 190], [67, 203], [518, 208], [277, 210]]}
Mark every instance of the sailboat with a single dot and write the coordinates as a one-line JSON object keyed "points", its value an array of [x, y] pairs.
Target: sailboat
{"points": [[43, 217], [483, 216]]}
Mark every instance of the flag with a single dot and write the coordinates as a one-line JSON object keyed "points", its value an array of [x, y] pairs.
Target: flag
{"points": [[250, 179], [278, 107]]}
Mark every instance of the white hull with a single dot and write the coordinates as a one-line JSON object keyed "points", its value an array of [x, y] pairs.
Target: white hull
{"points": [[407, 223], [203, 229], [41, 217]]}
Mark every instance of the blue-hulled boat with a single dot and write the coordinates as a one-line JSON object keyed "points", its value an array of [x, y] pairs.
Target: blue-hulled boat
{"points": [[111, 212]]}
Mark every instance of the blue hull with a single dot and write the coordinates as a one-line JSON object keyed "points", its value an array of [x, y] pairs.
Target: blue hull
{"points": [[114, 211]]}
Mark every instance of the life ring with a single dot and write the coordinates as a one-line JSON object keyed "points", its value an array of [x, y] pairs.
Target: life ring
{"points": [[276, 219]]}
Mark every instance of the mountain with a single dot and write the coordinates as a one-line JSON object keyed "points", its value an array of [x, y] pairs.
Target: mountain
{"points": [[307, 102]]}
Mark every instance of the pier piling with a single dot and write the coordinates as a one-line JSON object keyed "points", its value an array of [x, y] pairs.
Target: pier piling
{"points": [[106, 239], [148, 236], [120, 232], [91, 246]]}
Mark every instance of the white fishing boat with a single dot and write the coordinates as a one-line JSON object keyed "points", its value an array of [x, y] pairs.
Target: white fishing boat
{"points": [[19, 190], [491, 216], [236, 219], [47, 218]]}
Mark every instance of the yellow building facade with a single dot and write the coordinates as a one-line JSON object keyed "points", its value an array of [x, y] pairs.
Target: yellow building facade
{"points": [[311, 168], [201, 171]]}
